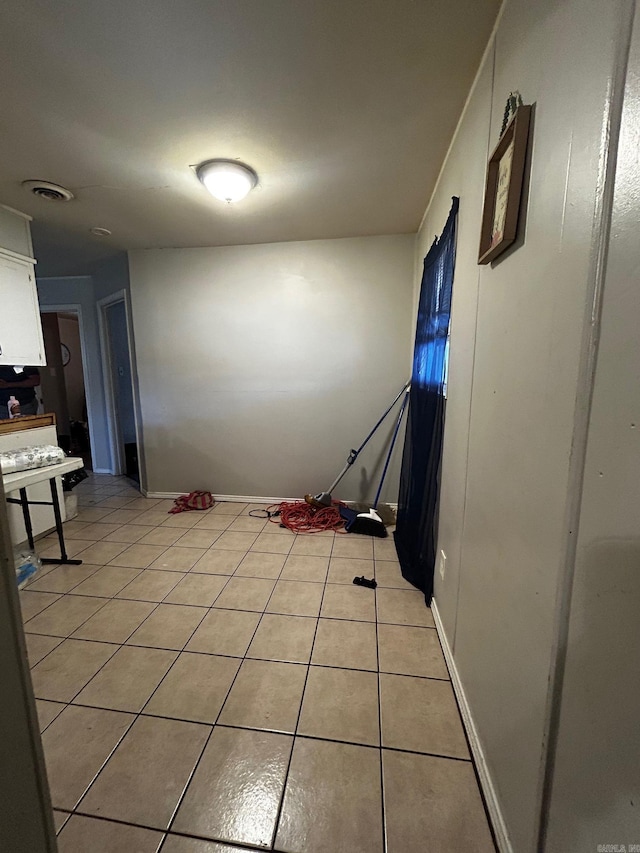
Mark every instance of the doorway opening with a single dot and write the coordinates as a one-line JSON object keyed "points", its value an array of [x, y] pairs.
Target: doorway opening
{"points": [[115, 340], [62, 380]]}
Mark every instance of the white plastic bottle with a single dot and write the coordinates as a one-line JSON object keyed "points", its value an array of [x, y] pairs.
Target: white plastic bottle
{"points": [[14, 407]]}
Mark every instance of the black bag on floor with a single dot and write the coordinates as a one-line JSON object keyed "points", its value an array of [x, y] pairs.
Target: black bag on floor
{"points": [[71, 480]]}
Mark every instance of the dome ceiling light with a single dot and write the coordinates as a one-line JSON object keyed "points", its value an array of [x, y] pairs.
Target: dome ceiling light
{"points": [[227, 180]]}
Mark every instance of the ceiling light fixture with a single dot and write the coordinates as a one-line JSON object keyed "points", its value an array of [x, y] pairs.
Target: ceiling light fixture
{"points": [[227, 180], [100, 232]]}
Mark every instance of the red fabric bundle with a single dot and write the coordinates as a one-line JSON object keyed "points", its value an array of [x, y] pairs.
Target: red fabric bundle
{"points": [[194, 500]]}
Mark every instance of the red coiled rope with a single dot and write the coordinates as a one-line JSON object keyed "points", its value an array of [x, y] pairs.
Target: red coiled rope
{"points": [[301, 517]]}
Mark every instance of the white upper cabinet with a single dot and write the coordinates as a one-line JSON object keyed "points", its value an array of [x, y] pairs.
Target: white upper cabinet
{"points": [[15, 232], [20, 326]]}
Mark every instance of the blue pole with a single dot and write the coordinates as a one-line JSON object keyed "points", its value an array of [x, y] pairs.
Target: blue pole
{"points": [[393, 441]]}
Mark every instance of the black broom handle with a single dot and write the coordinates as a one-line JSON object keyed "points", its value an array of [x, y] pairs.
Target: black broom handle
{"points": [[393, 441], [353, 455]]}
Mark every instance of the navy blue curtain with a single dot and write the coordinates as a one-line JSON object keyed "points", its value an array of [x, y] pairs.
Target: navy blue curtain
{"points": [[416, 529]]}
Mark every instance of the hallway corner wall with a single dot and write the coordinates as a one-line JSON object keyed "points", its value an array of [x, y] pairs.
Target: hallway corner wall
{"points": [[595, 794], [516, 343], [78, 290], [103, 279]]}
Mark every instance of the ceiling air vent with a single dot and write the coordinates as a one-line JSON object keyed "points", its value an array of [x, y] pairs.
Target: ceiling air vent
{"points": [[45, 189]]}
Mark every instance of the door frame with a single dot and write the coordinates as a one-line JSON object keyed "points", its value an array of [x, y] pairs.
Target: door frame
{"points": [[26, 822], [76, 308], [117, 454]]}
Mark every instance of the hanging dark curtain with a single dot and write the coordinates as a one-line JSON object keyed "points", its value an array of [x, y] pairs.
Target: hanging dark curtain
{"points": [[416, 529]]}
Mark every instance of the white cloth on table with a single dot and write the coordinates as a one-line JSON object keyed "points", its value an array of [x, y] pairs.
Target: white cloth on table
{"points": [[25, 458]]}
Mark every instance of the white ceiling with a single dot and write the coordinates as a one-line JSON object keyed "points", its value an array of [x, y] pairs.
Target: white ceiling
{"points": [[345, 108]]}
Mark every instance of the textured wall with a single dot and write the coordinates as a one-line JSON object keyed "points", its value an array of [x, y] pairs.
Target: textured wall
{"points": [[516, 344], [260, 366], [596, 786]]}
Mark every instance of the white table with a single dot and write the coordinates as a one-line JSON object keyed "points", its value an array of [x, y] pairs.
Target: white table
{"points": [[19, 482]]}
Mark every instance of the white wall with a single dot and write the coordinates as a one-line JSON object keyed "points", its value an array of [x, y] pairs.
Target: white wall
{"points": [[260, 366], [516, 344], [596, 786]]}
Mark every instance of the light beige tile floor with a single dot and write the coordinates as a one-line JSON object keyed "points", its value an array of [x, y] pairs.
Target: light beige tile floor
{"points": [[208, 679]]}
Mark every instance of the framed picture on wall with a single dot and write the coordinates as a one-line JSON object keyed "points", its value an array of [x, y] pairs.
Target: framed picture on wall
{"points": [[503, 189]]}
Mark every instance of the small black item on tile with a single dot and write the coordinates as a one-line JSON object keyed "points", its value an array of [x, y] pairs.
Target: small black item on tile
{"points": [[365, 582]]}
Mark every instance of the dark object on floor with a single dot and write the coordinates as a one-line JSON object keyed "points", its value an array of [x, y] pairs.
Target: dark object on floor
{"points": [[80, 445], [367, 523], [324, 498], [194, 500], [71, 480], [386, 512], [132, 469], [362, 581], [263, 513]]}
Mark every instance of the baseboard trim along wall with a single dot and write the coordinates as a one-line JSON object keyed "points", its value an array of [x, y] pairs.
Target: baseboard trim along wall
{"points": [[491, 798], [251, 499]]}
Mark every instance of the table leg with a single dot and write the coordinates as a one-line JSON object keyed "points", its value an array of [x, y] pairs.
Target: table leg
{"points": [[27, 517], [64, 559]]}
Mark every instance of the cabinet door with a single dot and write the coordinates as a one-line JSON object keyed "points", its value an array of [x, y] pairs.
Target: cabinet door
{"points": [[20, 327]]}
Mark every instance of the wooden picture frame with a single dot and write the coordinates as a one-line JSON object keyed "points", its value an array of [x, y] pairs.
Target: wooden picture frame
{"points": [[503, 189]]}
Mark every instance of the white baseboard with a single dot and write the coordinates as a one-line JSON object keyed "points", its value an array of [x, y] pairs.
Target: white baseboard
{"points": [[488, 789], [245, 499], [249, 499]]}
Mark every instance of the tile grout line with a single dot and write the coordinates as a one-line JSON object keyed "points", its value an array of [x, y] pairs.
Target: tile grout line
{"points": [[54, 569], [137, 716], [121, 645], [294, 736], [208, 608], [129, 545], [230, 609], [116, 596], [213, 726], [333, 740], [165, 833], [382, 790], [66, 636], [179, 651], [276, 825], [107, 599], [125, 644]]}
